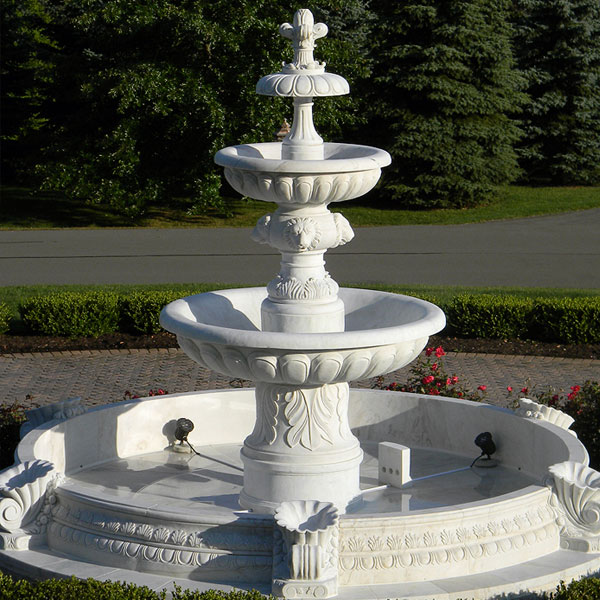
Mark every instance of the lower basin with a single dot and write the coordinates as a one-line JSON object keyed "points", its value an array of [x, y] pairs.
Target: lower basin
{"points": [[131, 508]]}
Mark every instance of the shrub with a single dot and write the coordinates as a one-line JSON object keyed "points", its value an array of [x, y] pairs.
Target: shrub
{"points": [[428, 376], [90, 589], [568, 320], [72, 314], [141, 310], [5, 317], [11, 418], [488, 316], [583, 404], [584, 589]]}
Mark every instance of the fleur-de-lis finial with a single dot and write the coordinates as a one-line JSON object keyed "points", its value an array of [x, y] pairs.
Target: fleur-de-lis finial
{"points": [[303, 34]]}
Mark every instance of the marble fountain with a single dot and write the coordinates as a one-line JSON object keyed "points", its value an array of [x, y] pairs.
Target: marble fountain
{"points": [[303, 487]]}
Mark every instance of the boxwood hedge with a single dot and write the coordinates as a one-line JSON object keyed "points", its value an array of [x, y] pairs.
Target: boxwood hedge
{"points": [[561, 320]]}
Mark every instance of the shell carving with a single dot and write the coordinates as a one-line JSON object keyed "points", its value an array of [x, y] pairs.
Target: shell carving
{"points": [[534, 410], [577, 488], [24, 492]]}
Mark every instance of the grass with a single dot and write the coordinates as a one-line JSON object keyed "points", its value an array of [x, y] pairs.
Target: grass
{"points": [[13, 295], [20, 209]]}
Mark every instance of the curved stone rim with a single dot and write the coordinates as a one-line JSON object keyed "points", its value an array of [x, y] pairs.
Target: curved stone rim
{"points": [[339, 158], [177, 318], [302, 85]]}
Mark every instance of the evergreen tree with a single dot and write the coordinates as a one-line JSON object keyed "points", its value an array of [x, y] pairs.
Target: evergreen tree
{"points": [[558, 49], [144, 93], [445, 85]]}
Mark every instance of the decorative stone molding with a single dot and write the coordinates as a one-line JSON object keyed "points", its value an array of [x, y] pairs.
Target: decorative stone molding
{"points": [[310, 368], [576, 498], [261, 230], [303, 33], [343, 229], [235, 548], [397, 549], [302, 234], [301, 84], [302, 189], [534, 410], [65, 409], [309, 417], [291, 288], [305, 550], [26, 499]]}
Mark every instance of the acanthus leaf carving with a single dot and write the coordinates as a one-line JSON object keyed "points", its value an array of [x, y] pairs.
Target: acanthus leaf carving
{"points": [[309, 413]]}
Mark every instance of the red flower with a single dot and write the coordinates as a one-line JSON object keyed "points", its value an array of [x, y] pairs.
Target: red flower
{"points": [[454, 379], [509, 388], [439, 384], [427, 379], [434, 367], [460, 394], [482, 388], [439, 351], [434, 392], [448, 381], [575, 388], [429, 352], [524, 390]]}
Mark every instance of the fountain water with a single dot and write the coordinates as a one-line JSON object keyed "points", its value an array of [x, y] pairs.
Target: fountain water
{"points": [[349, 493]]}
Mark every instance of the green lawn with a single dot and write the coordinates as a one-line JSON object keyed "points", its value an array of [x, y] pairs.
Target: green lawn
{"points": [[19, 209]]}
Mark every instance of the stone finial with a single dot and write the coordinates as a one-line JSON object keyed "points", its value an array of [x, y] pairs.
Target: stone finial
{"points": [[303, 33]]}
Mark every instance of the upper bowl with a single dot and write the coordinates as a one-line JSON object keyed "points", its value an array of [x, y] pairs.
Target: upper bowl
{"points": [[347, 171], [222, 331]]}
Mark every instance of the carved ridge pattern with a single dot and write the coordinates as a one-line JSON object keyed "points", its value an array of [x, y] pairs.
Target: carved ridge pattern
{"points": [[534, 410], [291, 288], [284, 366], [401, 550], [185, 557], [302, 85], [106, 526], [302, 189]]}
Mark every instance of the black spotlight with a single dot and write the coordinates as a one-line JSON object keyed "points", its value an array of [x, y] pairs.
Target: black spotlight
{"points": [[183, 427], [486, 443]]}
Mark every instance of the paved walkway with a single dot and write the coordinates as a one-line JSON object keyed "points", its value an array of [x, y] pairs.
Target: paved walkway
{"points": [[550, 251], [104, 376]]}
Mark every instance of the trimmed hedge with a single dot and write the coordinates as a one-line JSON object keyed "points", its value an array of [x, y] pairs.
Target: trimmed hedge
{"points": [[140, 311], [5, 317], [561, 320], [72, 314], [90, 589]]}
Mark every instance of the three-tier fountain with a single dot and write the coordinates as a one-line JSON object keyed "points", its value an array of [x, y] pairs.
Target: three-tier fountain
{"points": [[303, 487]]}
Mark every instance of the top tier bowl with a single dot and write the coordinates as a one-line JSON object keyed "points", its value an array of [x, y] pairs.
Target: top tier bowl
{"points": [[346, 171]]}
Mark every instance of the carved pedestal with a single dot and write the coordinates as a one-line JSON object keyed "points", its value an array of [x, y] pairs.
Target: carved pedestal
{"points": [[301, 448], [305, 550]]}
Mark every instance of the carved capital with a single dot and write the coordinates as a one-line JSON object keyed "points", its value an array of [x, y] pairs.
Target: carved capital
{"points": [[576, 499]]}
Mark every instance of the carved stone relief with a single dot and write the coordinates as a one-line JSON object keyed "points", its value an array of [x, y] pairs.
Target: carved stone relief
{"points": [[26, 500], [576, 499]]}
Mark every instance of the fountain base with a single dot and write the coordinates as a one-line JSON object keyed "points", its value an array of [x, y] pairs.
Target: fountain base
{"points": [[130, 509]]}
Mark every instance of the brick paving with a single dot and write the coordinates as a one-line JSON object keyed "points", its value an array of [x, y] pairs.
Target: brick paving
{"points": [[104, 376]]}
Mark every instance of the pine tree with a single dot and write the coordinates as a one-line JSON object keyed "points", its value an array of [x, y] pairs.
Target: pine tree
{"points": [[445, 85], [558, 49]]}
